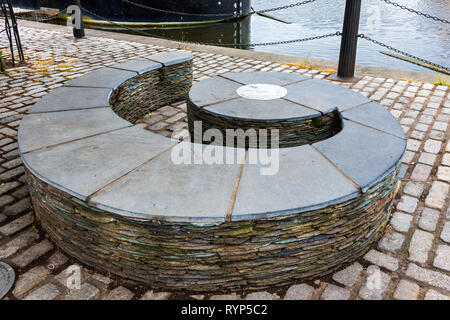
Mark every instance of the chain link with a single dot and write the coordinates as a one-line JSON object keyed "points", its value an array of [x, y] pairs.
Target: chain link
{"points": [[426, 15], [286, 6], [215, 43], [362, 36], [214, 14], [328, 35]]}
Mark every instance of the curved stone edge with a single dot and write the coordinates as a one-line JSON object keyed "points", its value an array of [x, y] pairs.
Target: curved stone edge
{"points": [[280, 213], [101, 159], [295, 131], [364, 154], [361, 111], [211, 257]]}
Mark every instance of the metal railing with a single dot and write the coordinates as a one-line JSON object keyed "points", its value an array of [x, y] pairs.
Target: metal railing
{"points": [[11, 30]]}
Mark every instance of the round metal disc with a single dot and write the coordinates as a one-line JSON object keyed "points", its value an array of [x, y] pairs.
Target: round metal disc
{"points": [[7, 277], [261, 91]]}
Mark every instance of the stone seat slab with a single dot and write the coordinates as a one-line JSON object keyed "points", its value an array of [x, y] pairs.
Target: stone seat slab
{"points": [[275, 78], [83, 167], [162, 189], [139, 66], [375, 116], [364, 154], [305, 181], [324, 96], [72, 98], [104, 77], [172, 57], [273, 110], [213, 90], [41, 130]]}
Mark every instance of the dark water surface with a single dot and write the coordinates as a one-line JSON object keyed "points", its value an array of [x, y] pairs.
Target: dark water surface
{"points": [[414, 34]]}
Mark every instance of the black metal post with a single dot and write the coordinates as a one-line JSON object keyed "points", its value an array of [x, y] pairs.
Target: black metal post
{"points": [[11, 30], [79, 33], [347, 58], [5, 11], [16, 31]]}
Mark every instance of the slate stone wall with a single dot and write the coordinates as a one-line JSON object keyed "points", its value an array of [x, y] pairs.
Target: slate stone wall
{"points": [[292, 132], [255, 254], [149, 91]]}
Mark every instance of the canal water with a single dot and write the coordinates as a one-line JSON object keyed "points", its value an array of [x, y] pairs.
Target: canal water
{"points": [[399, 28]]}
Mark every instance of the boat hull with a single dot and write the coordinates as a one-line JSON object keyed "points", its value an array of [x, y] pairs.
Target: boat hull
{"points": [[201, 11]]}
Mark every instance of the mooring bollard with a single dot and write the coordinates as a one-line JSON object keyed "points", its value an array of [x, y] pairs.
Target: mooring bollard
{"points": [[78, 27], [347, 57]]}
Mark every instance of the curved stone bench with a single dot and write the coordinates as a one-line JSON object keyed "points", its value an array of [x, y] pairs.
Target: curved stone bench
{"points": [[108, 193]]}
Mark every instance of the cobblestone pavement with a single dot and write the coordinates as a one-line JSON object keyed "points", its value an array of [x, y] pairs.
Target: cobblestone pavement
{"points": [[412, 261]]}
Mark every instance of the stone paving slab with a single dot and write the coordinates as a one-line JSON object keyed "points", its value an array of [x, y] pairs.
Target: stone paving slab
{"points": [[72, 98], [324, 97], [277, 78], [261, 110], [99, 160], [375, 116], [205, 92], [170, 58], [313, 185], [363, 153], [137, 65], [202, 192], [102, 78], [49, 129]]}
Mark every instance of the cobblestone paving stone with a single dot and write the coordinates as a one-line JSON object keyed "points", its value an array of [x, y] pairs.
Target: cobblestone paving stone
{"points": [[410, 262]]}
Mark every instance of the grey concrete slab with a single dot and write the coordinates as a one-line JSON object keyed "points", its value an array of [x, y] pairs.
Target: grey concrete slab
{"points": [[82, 167], [277, 109], [174, 192], [47, 129], [102, 78], [72, 98], [213, 90], [170, 58], [376, 116], [305, 181], [137, 65], [276, 78], [324, 96], [364, 154]]}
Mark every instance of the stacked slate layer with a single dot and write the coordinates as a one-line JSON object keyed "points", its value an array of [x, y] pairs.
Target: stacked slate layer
{"points": [[166, 78], [217, 105], [109, 194]]}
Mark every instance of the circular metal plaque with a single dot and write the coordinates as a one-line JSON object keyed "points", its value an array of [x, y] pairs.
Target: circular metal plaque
{"points": [[7, 277], [261, 91]]}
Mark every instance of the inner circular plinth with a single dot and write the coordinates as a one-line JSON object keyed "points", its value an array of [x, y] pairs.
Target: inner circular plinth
{"points": [[262, 91], [263, 110]]}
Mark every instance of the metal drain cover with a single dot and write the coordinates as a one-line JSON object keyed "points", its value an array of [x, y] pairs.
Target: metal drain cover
{"points": [[7, 277]]}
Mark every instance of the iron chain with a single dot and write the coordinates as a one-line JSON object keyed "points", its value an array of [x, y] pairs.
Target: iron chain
{"points": [[426, 15], [216, 43], [286, 6], [362, 36], [213, 14], [328, 35]]}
